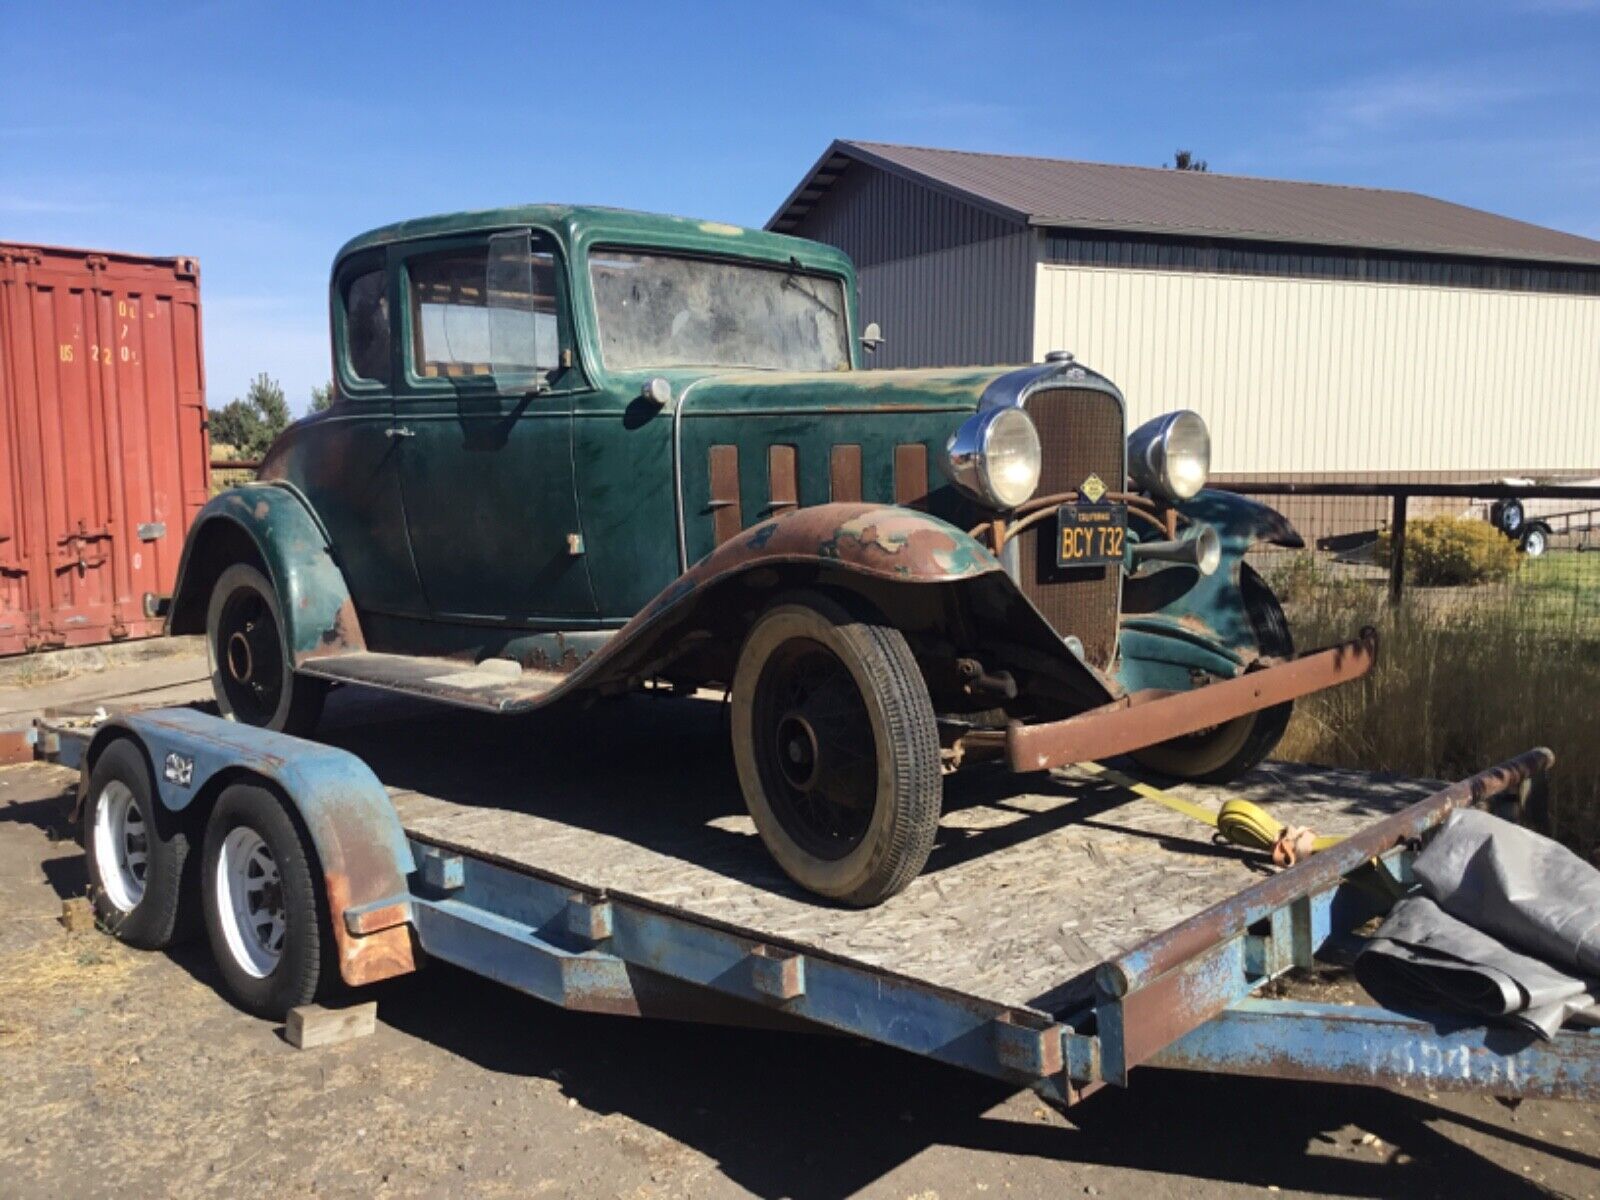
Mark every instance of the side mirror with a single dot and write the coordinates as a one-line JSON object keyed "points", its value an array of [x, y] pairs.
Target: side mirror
{"points": [[871, 337]]}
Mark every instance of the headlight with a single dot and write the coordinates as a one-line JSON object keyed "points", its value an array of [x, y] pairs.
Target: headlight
{"points": [[1171, 455], [995, 457]]}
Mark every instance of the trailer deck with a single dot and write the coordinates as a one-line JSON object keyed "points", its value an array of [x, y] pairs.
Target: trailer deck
{"points": [[602, 860]]}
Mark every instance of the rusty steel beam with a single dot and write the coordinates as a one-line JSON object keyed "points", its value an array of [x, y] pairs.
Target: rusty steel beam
{"points": [[1145, 718]]}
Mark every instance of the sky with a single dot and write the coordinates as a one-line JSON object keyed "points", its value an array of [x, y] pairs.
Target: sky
{"points": [[260, 136]]}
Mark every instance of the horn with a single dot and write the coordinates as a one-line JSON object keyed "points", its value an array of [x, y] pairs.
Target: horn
{"points": [[1201, 550]]}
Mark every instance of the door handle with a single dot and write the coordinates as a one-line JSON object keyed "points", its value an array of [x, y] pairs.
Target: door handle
{"points": [[399, 431]]}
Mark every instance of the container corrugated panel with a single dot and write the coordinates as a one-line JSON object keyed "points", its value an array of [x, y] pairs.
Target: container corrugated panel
{"points": [[104, 458]]}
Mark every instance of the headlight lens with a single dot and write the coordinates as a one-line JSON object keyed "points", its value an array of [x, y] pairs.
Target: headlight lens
{"points": [[995, 457], [1171, 455]]}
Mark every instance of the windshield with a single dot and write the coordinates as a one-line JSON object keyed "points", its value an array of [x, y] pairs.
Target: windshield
{"points": [[659, 310]]}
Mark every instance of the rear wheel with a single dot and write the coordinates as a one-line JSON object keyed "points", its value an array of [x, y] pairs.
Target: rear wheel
{"points": [[136, 851], [837, 750], [263, 911], [1226, 751], [1535, 541], [252, 666]]}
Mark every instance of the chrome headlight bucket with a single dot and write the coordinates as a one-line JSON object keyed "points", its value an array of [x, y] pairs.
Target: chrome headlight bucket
{"points": [[1171, 455], [995, 457]]}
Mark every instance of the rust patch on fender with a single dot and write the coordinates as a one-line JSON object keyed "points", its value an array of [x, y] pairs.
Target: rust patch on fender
{"points": [[371, 957]]}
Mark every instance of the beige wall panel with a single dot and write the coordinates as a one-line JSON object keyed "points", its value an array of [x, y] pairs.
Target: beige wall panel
{"points": [[1330, 375]]}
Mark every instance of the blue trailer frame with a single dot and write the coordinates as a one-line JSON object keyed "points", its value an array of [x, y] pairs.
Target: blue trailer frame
{"points": [[1185, 998]]}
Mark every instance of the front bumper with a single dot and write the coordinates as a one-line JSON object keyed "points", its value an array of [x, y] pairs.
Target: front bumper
{"points": [[1146, 717]]}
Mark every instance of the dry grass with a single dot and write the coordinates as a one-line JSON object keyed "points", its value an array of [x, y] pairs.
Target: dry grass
{"points": [[1455, 691]]}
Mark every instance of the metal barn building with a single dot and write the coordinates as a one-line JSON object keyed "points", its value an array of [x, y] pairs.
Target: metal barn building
{"points": [[1325, 332]]}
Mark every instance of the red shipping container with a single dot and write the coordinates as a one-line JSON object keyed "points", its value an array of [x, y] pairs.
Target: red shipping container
{"points": [[104, 458]]}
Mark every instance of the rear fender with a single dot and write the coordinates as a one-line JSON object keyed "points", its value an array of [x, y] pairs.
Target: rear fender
{"points": [[1177, 623], [273, 521], [355, 834]]}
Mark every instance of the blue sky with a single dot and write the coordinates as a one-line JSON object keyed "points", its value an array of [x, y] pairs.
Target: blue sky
{"points": [[259, 136]]}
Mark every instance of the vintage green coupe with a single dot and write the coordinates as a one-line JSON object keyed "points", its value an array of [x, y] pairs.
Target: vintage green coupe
{"points": [[578, 452]]}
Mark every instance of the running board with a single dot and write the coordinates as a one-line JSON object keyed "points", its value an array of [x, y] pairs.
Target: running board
{"points": [[496, 685]]}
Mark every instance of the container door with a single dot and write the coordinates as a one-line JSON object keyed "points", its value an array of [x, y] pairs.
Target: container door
{"points": [[104, 418], [486, 414]]}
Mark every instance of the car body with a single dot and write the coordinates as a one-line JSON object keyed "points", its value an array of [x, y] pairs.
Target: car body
{"points": [[578, 452]]}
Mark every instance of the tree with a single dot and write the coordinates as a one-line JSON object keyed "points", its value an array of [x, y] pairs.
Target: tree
{"points": [[1183, 160], [322, 397], [251, 424]]}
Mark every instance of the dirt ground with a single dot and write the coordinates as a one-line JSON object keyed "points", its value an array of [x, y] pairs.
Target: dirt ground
{"points": [[128, 1073]]}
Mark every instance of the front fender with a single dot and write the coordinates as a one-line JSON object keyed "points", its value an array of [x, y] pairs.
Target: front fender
{"points": [[354, 831], [318, 614], [1177, 622]]}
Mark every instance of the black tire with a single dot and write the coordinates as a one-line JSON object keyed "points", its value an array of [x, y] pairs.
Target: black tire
{"points": [[837, 750], [1224, 752], [1535, 540], [268, 929], [1508, 517], [137, 853], [252, 666]]}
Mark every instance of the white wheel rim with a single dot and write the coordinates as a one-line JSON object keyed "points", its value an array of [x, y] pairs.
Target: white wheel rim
{"points": [[250, 902], [1535, 543], [121, 845]]}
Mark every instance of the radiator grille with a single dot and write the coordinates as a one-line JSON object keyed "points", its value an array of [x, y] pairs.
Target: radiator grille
{"points": [[1081, 432]]}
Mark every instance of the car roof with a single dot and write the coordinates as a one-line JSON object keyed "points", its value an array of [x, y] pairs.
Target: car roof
{"points": [[588, 225]]}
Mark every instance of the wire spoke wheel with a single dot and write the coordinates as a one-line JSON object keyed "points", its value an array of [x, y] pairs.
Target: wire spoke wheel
{"points": [[122, 845], [249, 896]]}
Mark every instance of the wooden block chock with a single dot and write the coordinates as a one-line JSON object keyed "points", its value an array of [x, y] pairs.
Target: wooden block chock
{"points": [[312, 1025], [77, 914]]}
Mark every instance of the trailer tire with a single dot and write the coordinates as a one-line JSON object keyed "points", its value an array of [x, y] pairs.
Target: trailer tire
{"points": [[265, 914], [136, 852], [1536, 540], [1224, 752], [837, 750], [252, 664]]}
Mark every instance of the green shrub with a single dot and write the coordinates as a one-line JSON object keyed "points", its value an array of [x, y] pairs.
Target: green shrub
{"points": [[1452, 552]]}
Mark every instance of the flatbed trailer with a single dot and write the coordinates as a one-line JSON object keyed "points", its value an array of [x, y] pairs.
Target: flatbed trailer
{"points": [[1058, 940]]}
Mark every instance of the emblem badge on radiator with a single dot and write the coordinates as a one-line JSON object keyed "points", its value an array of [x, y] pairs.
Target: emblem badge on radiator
{"points": [[1091, 489]]}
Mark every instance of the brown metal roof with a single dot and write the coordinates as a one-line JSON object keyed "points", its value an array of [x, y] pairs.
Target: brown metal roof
{"points": [[1084, 195]]}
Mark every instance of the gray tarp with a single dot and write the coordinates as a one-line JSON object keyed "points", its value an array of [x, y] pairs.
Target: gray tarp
{"points": [[1505, 924]]}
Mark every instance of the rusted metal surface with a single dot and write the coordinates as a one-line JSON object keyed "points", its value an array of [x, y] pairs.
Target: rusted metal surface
{"points": [[783, 486], [1183, 977], [723, 468], [844, 474], [1145, 718], [910, 473], [1375, 1047], [104, 459]]}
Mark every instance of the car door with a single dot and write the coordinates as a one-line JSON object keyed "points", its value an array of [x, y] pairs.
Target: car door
{"points": [[484, 416], [345, 460]]}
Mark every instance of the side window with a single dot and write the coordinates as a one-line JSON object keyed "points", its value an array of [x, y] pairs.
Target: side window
{"points": [[366, 324], [483, 310]]}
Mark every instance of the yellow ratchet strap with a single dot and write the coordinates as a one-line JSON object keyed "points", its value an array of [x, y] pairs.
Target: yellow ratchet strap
{"points": [[1238, 821]]}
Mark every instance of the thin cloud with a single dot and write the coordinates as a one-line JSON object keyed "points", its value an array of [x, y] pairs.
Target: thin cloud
{"points": [[1411, 99], [34, 206]]}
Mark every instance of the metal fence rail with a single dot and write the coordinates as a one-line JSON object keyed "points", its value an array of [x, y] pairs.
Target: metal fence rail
{"points": [[1343, 523]]}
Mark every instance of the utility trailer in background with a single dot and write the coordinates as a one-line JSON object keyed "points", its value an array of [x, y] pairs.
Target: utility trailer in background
{"points": [[1057, 941]]}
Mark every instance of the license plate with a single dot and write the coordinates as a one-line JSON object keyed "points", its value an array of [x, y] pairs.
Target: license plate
{"points": [[1090, 535]]}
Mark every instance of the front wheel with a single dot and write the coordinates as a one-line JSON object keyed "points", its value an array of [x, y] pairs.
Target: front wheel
{"points": [[252, 665], [263, 910], [1535, 541], [1226, 751], [136, 852], [837, 750]]}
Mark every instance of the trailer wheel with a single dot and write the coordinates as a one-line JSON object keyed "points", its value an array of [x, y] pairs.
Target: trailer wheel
{"points": [[1535, 541], [263, 910], [837, 750], [135, 850], [1226, 751], [252, 667]]}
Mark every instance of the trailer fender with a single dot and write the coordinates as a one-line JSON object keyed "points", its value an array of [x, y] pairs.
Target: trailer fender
{"points": [[354, 832], [272, 522]]}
